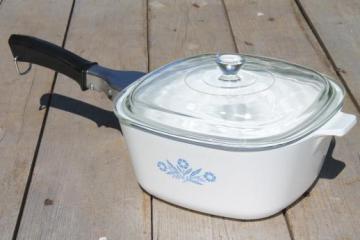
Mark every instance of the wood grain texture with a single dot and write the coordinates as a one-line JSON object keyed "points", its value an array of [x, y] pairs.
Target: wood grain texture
{"points": [[171, 222], [179, 29], [337, 23], [277, 29], [83, 185], [20, 119]]}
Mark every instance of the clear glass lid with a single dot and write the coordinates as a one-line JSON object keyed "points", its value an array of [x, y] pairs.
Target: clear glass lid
{"points": [[231, 100]]}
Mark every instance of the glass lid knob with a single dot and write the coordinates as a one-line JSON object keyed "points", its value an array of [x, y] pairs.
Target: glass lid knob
{"points": [[230, 65]]}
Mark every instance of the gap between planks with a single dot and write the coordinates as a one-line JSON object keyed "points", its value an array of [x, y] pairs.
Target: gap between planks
{"points": [[288, 225], [327, 53], [148, 69], [180, 29], [38, 143], [112, 210]]}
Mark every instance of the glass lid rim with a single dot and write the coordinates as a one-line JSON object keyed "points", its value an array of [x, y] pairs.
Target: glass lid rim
{"points": [[304, 131], [177, 133]]}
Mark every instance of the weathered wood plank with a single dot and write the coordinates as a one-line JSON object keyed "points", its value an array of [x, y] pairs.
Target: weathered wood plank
{"points": [[276, 28], [178, 29], [20, 119], [172, 222], [337, 23], [84, 171]]}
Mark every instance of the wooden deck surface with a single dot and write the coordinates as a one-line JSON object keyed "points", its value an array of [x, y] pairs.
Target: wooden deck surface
{"points": [[65, 172]]}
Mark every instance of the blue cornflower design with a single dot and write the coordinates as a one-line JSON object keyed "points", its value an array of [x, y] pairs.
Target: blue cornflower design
{"points": [[162, 166], [209, 176], [183, 163], [182, 170]]}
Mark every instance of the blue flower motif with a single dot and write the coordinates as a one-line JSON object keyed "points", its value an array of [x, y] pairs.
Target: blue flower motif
{"points": [[162, 166], [182, 171], [183, 163], [209, 176]]}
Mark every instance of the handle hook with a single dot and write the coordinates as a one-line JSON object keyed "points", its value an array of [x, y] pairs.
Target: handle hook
{"points": [[18, 69]]}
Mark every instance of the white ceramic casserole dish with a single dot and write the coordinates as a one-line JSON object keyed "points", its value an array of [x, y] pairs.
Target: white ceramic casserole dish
{"points": [[231, 135]]}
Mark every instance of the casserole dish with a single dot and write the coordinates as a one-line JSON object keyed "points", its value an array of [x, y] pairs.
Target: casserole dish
{"points": [[226, 134]]}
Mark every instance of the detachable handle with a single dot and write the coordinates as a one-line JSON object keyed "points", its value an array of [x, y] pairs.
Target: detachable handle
{"points": [[34, 50], [339, 125]]}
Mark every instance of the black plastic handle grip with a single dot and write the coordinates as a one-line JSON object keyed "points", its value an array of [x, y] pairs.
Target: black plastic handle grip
{"points": [[34, 50]]}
